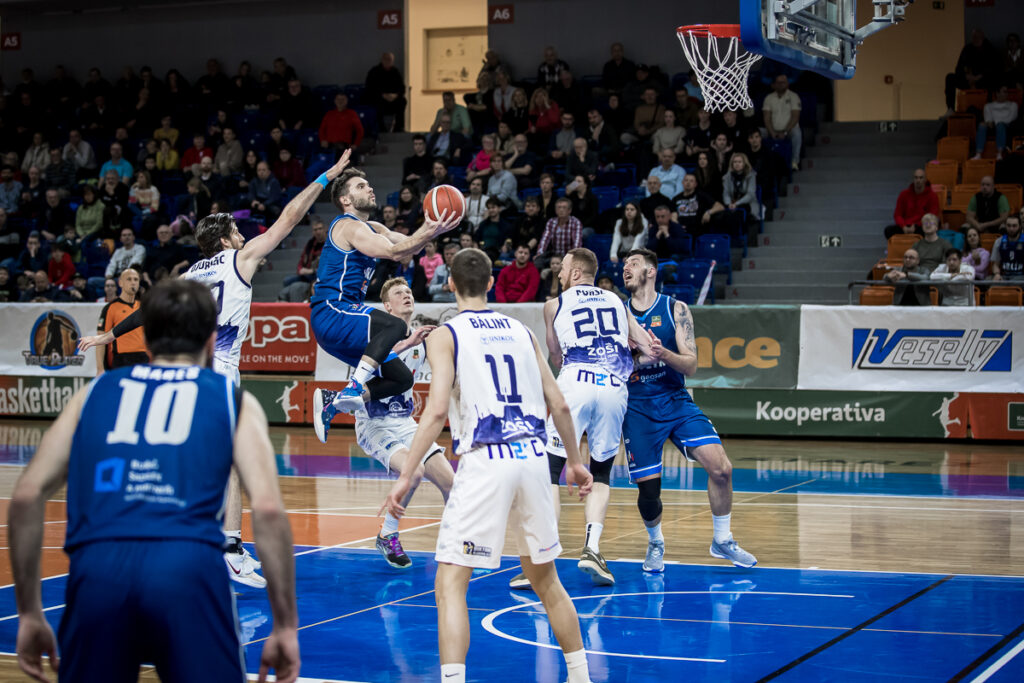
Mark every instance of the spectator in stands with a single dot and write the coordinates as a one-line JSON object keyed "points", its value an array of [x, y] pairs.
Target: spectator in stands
{"points": [[617, 71], [167, 131], [410, 206], [480, 165], [296, 108], [1008, 253], [530, 225], [979, 66], [491, 231], [89, 216], [80, 152], [910, 271], [444, 143], [249, 164], [130, 253], [560, 145], [709, 178], [955, 270], [214, 183], [385, 91], [37, 154], [341, 128], [32, 194], [55, 215], [669, 136], [164, 257], [288, 170], [518, 282], [988, 208], [665, 237], [501, 186], [914, 202], [633, 93], [264, 195], [562, 233], [569, 94], [648, 117], [975, 255], [479, 103], [739, 188], [98, 118], [438, 175], [670, 175], [72, 242], [518, 115], [782, 116], [476, 203], [60, 174], [769, 168], [305, 270], [113, 194], [547, 196], [931, 248], [601, 137], [141, 117], [438, 287], [109, 291], [550, 287], [605, 282], [502, 94], [42, 289], [416, 168], [695, 209], [722, 150], [430, 260], [585, 206], [79, 291], [522, 163], [630, 232], [194, 154], [196, 203], [8, 286], [230, 154], [34, 257], [118, 163], [144, 201], [545, 118], [998, 114], [687, 108], [655, 197], [459, 115], [10, 190], [389, 216], [59, 268], [735, 131], [503, 139], [1013, 61], [582, 161], [550, 68], [167, 159], [492, 62]]}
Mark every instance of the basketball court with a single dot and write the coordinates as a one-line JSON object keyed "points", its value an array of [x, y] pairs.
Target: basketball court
{"points": [[876, 560]]}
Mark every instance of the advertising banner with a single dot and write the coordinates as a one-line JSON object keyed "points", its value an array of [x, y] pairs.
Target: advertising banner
{"points": [[42, 339], [279, 339], [35, 396], [746, 346], [896, 349]]}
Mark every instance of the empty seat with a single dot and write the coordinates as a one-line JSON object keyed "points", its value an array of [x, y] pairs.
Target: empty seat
{"points": [[961, 196], [693, 272], [684, 293], [877, 295], [955, 148], [988, 240], [972, 98], [717, 248], [607, 197], [943, 192], [942, 171], [1004, 296], [976, 169], [962, 124], [1014, 194]]}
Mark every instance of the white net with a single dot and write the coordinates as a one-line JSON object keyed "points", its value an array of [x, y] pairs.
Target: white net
{"points": [[721, 65]]}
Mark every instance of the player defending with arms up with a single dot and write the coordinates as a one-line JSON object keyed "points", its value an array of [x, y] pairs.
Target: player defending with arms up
{"points": [[146, 452], [492, 370], [661, 409], [385, 428], [344, 327]]}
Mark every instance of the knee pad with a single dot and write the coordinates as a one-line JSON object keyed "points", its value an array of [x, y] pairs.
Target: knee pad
{"points": [[648, 499], [602, 471], [556, 464]]}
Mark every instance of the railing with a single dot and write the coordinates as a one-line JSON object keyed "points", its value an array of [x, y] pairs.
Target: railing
{"points": [[939, 284]]}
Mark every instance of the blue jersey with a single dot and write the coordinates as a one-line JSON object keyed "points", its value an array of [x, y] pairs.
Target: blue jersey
{"points": [[1011, 257], [343, 274], [151, 455], [659, 380]]}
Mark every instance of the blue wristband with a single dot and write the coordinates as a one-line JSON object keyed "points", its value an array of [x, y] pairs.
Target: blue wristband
{"points": [[323, 180]]}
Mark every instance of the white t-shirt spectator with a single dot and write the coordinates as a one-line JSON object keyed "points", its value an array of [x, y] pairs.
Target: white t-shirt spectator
{"points": [[956, 295], [781, 108], [1001, 112], [476, 209]]}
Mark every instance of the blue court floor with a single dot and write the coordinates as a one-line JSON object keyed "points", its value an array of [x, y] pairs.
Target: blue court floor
{"points": [[362, 621]]}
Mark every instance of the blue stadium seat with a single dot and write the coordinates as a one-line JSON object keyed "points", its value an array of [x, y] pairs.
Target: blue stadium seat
{"points": [[954, 237], [307, 144], [607, 197], [250, 121], [600, 245], [392, 199], [529, 192], [684, 293], [172, 184], [630, 169], [693, 271], [368, 117], [256, 140], [619, 178], [614, 271], [356, 93], [633, 193], [679, 80], [716, 247], [591, 81]]}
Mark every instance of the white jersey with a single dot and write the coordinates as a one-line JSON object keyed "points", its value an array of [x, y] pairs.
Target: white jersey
{"points": [[233, 295], [498, 397], [401, 405], [593, 331]]}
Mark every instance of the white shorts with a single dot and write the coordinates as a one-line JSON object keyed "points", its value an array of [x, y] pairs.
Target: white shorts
{"points": [[383, 437], [496, 486], [598, 404], [228, 370]]}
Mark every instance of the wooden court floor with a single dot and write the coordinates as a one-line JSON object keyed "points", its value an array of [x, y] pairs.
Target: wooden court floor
{"points": [[872, 506]]}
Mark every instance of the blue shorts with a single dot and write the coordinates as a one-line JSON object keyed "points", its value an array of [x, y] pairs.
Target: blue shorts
{"points": [[165, 602], [648, 424], [342, 330]]}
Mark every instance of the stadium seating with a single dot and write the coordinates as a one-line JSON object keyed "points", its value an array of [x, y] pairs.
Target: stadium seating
{"points": [[962, 124], [953, 237], [988, 240], [877, 295], [943, 193], [1004, 296], [976, 169], [942, 171], [607, 197], [717, 248], [694, 271], [599, 244], [974, 98], [1014, 194], [955, 148], [897, 245], [684, 293]]}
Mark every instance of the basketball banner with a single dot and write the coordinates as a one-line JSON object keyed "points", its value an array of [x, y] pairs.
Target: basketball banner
{"points": [[42, 339], [894, 349]]}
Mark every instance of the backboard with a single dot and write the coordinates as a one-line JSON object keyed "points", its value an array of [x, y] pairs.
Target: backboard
{"points": [[813, 35]]}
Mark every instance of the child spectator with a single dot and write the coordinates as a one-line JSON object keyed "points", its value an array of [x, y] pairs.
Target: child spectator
{"points": [[430, 260]]}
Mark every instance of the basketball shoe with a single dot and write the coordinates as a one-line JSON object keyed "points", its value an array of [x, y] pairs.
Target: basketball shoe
{"points": [[519, 582], [655, 559], [731, 550], [242, 570], [323, 412], [391, 550], [593, 563]]}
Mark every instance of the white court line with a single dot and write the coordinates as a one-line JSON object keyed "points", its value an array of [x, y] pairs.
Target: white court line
{"points": [[301, 679], [363, 540], [15, 616], [45, 578], [999, 663]]}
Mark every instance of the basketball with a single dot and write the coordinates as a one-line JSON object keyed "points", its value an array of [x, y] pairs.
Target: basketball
{"points": [[444, 198]]}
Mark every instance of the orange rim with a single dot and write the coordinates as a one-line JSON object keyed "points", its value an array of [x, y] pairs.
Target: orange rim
{"points": [[716, 30]]}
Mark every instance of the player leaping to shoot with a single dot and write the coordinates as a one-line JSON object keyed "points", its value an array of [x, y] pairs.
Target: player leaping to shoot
{"points": [[343, 326]]}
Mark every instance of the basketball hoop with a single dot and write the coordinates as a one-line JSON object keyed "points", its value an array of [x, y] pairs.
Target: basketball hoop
{"points": [[720, 63]]}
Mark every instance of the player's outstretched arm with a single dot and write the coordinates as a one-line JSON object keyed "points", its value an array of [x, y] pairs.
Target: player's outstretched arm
{"points": [[124, 327], [554, 348], [575, 472], [258, 247], [254, 458], [441, 356], [44, 475], [380, 245]]}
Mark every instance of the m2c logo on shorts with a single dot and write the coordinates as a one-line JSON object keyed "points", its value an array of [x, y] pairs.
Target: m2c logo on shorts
{"points": [[470, 548]]}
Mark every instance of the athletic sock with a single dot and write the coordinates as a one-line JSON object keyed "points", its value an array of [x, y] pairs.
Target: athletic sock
{"points": [[654, 532], [389, 526], [721, 527], [594, 536], [234, 540], [453, 673], [364, 371], [576, 662]]}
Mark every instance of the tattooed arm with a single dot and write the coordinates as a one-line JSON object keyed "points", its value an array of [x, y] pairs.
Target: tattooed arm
{"points": [[685, 361]]}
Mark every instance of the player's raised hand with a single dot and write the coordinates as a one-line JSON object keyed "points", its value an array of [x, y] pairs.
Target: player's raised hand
{"points": [[420, 333], [86, 343], [650, 351], [281, 653], [447, 220], [578, 475], [336, 170], [393, 503], [35, 638]]}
